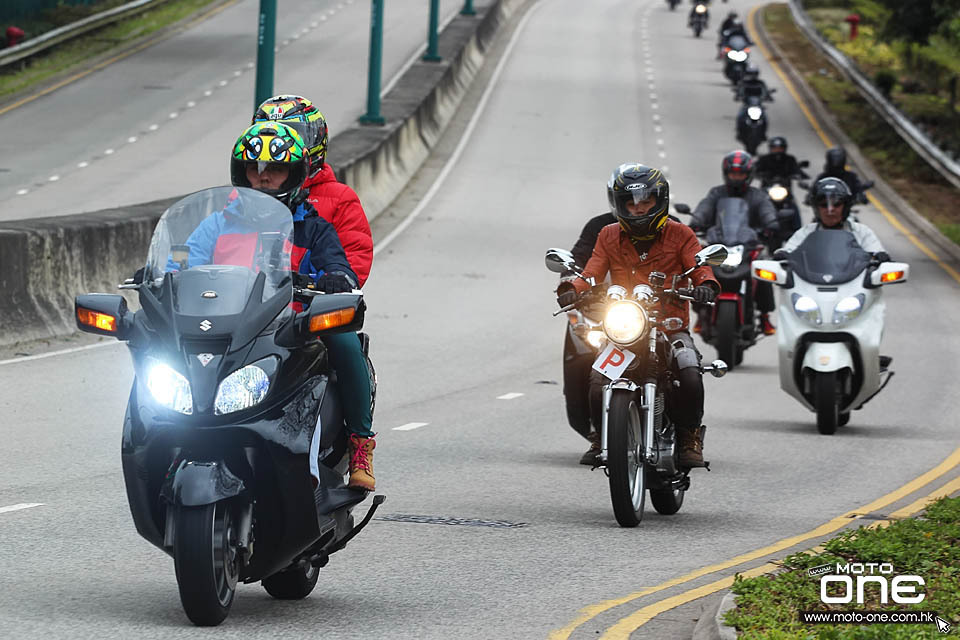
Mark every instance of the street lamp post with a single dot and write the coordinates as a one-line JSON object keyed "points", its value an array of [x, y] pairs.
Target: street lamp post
{"points": [[376, 62], [266, 41]]}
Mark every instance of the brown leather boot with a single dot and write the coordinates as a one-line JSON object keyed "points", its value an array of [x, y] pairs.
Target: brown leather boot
{"points": [[590, 457], [690, 444], [361, 463]]}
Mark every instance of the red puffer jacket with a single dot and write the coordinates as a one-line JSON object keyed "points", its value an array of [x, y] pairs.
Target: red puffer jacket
{"points": [[339, 205]]}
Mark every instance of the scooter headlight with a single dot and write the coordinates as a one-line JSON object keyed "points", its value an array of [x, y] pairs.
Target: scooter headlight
{"points": [[242, 389], [169, 388], [754, 112], [596, 338], [806, 308], [737, 56], [777, 193], [848, 308], [625, 322], [734, 256]]}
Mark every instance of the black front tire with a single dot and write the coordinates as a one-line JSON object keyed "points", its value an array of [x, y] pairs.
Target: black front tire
{"points": [[696, 31], [726, 334], [844, 418], [666, 501], [625, 463], [206, 561], [826, 402], [292, 584]]}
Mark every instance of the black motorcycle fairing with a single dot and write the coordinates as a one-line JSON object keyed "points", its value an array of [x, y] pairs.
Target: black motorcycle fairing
{"points": [[196, 483], [830, 256]]}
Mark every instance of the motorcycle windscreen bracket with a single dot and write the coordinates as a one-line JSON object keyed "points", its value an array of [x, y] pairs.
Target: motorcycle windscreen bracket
{"points": [[612, 361]]}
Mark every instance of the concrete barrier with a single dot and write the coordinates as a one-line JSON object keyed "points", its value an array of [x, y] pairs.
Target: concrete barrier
{"points": [[45, 262]]}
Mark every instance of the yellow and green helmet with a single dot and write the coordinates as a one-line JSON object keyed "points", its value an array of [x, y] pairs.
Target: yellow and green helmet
{"points": [[303, 116], [272, 143]]}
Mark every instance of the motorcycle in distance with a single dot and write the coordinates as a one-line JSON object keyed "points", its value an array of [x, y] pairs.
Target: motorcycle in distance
{"points": [[736, 51], [779, 189], [233, 446], [699, 19], [732, 324], [673, 4], [637, 438], [582, 341], [831, 321], [752, 123]]}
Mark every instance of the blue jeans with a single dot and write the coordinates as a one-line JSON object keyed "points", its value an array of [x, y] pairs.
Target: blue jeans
{"points": [[353, 381]]}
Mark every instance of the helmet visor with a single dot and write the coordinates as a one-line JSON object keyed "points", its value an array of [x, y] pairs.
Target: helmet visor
{"points": [[311, 132], [831, 200], [635, 194]]}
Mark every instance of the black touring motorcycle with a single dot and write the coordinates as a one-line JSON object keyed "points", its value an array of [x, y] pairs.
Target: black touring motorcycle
{"points": [[637, 439], [234, 445]]}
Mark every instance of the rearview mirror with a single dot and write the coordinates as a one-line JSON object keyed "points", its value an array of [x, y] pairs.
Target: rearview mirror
{"points": [[560, 261], [714, 255], [717, 368], [681, 208], [804, 164], [803, 184]]}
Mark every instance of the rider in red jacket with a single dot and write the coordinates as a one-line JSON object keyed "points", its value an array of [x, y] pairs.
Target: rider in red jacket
{"points": [[334, 201]]}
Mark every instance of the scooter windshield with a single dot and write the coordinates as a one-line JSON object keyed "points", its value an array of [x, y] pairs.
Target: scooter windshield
{"points": [[732, 226], [829, 257], [217, 242]]}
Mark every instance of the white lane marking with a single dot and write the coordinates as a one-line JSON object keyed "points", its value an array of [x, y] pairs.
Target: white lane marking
{"points": [[191, 104], [83, 165], [18, 507], [208, 93], [23, 192], [61, 352], [455, 156], [509, 396], [662, 154], [222, 83], [410, 426], [660, 143], [132, 139], [173, 115], [53, 178], [108, 152]]}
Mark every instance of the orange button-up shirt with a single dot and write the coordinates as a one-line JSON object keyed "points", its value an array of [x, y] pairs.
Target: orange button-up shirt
{"points": [[673, 252]]}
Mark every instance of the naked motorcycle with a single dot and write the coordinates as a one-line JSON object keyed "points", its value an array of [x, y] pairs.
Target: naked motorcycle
{"points": [[234, 445], [638, 439]]}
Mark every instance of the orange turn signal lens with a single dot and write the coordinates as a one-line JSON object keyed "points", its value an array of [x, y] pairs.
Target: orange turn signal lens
{"points": [[763, 274], [97, 320], [331, 319], [891, 276]]}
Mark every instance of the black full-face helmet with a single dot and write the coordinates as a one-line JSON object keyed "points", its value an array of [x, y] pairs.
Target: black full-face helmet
{"points": [[830, 192], [836, 160], [634, 183], [737, 167], [777, 144]]}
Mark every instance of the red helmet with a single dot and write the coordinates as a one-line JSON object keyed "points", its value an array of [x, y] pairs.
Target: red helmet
{"points": [[737, 169]]}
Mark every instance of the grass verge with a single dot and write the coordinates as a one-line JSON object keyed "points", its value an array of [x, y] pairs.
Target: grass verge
{"points": [[918, 183], [74, 53], [929, 546]]}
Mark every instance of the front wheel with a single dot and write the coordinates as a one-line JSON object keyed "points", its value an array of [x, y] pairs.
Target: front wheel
{"points": [[726, 333], [292, 584], [826, 402], [206, 561], [625, 462], [697, 30]]}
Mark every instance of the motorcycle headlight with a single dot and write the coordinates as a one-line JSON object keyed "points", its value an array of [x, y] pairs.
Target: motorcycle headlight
{"points": [[242, 389], [806, 308], [625, 322], [848, 308], [737, 56], [734, 256], [701, 8], [596, 338], [777, 193], [754, 112], [169, 388]]}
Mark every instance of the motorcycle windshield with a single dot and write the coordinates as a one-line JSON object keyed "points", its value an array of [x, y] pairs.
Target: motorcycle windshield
{"points": [[732, 226], [829, 256], [737, 42], [216, 243]]}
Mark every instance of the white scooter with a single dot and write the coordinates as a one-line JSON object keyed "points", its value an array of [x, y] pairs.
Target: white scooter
{"points": [[831, 322]]}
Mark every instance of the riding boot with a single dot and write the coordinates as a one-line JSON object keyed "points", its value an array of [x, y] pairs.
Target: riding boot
{"points": [[590, 457], [690, 443], [361, 462]]}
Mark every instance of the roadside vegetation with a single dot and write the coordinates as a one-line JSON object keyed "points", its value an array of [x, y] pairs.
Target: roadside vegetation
{"points": [[19, 78], [928, 546], [918, 183]]}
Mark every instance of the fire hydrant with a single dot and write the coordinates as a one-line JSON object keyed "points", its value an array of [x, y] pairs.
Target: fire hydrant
{"points": [[853, 20], [14, 36]]}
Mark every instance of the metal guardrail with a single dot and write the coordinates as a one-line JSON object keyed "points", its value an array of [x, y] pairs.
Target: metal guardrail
{"points": [[51, 38], [911, 134]]}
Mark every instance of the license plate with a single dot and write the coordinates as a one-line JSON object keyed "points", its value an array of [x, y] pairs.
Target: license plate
{"points": [[613, 361]]}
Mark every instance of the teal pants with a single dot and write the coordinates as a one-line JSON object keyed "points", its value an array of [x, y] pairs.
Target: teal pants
{"points": [[353, 381]]}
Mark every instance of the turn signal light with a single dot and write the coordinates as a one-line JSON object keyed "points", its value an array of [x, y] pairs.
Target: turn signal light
{"points": [[331, 319], [97, 320], [763, 274], [891, 276]]}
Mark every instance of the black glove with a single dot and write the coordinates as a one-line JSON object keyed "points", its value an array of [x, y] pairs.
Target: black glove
{"points": [[334, 283], [704, 293], [780, 254], [567, 297], [881, 256], [138, 276]]}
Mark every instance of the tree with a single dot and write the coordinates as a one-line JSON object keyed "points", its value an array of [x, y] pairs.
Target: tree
{"points": [[917, 20]]}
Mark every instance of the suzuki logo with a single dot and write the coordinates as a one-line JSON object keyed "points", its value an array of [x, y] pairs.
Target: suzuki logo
{"points": [[827, 277], [206, 325], [204, 358]]}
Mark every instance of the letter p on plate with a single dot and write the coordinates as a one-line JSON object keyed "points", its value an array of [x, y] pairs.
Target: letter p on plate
{"points": [[612, 362]]}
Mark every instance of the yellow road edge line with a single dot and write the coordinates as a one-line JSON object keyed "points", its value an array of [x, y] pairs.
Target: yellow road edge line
{"points": [[627, 625], [752, 22], [591, 611], [105, 63]]}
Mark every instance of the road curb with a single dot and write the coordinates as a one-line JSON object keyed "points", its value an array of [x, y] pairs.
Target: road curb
{"points": [[882, 190], [711, 625]]}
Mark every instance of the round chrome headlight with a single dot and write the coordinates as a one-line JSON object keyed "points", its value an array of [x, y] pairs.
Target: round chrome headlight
{"points": [[701, 8], [625, 322], [754, 112], [777, 193]]}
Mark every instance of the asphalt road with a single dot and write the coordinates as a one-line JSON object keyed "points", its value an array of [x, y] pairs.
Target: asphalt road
{"points": [[460, 311], [162, 122]]}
